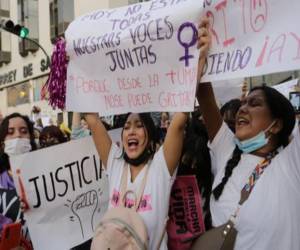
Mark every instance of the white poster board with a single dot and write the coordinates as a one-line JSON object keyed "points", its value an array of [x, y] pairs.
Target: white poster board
{"points": [[251, 38], [227, 90], [66, 190], [137, 58], [286, 87], [143, 57]]}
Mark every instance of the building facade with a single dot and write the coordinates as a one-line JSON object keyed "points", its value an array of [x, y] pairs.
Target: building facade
{"points": [[23, 65]]}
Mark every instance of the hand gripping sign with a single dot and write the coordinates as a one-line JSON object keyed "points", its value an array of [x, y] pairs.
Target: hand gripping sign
{"points": [[137, 58]]}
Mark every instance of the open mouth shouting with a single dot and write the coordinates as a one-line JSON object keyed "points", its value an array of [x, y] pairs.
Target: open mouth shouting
{"points": [[133, 144], [241, 121]]}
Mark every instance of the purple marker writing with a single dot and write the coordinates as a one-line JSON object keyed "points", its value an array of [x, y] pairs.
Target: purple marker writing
{"points": [[187, 25]]}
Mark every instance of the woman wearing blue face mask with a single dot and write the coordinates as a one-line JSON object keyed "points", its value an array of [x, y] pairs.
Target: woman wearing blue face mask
{"points": [[259, 160], [16, 137]]}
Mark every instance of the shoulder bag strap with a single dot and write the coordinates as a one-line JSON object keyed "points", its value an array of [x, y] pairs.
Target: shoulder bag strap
{"points": [[142, 188], [229, 232], [253, 178], [123, 185]]}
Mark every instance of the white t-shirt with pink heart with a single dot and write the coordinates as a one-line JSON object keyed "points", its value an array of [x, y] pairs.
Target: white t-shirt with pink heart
{"points": [[155, 200]]}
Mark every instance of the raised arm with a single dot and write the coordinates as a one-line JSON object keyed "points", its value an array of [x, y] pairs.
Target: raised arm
{"points": [[78, 131], [76, 120], [174, 140], [100, 136], [205, 95]]}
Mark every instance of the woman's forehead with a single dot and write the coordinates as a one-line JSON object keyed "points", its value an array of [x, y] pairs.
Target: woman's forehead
{"points": [[16, 122], [255, 94], [133, 117]]}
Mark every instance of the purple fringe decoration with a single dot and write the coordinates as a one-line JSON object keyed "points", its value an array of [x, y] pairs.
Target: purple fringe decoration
{"points": [[57, 80]]}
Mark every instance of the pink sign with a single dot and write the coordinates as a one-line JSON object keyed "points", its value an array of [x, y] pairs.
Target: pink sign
{"points": [[185, 215]]}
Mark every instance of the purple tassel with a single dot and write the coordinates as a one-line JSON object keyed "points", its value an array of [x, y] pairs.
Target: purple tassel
{"points": [[57, 80]]}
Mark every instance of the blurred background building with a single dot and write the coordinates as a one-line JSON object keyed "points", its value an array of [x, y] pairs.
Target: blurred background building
{"points": [[23, 65]]}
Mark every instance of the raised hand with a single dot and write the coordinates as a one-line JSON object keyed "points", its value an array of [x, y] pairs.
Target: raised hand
{"points": [[204, 41]]}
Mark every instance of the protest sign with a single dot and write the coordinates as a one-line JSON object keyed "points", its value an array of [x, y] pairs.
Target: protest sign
{"points": [[186, 221], [286, 87], [66, 191], [227, 90], [10, 204], [138, 58], [252, 38]]}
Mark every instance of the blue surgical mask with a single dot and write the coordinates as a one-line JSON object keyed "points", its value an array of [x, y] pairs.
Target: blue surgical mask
{"points": [[254, 143]]}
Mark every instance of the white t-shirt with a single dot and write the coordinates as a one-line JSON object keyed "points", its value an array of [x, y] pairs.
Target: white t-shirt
{"points": [[155, 202], [270, 218], [296, 128]]}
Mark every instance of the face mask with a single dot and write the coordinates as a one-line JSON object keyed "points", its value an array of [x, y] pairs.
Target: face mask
{"points": [[254, 143], [144, 157], [17, 146]]}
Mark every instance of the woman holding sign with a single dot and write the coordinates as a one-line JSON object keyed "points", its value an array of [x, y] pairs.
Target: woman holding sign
{"points": [[257, 173], [16, 137], [139, 156]]}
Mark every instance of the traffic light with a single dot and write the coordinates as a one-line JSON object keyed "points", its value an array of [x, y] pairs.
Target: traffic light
{"points": [[17, 29]]}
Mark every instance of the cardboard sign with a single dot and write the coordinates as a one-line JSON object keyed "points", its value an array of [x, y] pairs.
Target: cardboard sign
{"points": [[251, 38], [66, 191], [138, 58]]}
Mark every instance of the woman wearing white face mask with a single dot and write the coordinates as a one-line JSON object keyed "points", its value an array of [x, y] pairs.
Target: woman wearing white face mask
{"points": [[16, 137]]}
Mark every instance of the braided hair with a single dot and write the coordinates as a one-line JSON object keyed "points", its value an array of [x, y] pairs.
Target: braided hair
{"points": [[281, 109], [231, 164]]}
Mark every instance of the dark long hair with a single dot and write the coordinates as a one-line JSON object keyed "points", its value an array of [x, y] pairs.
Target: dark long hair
{"points": [[152, 136], [195, 160], [53, 132], [4, 159], [281, 109], [231, 107]]}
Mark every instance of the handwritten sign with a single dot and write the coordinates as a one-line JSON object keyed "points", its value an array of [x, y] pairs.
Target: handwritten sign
{"points": [[137, 58], [252, 38], [66, 191], [186, 220]]}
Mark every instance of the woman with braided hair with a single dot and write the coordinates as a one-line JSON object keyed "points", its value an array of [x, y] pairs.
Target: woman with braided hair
{"points": [[269, 218]]}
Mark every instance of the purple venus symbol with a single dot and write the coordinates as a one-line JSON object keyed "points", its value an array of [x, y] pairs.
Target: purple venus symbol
{"points": [[186, 45]]}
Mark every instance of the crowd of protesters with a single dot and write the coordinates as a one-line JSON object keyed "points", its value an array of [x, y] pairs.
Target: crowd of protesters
{"points": [[221, 147]]}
